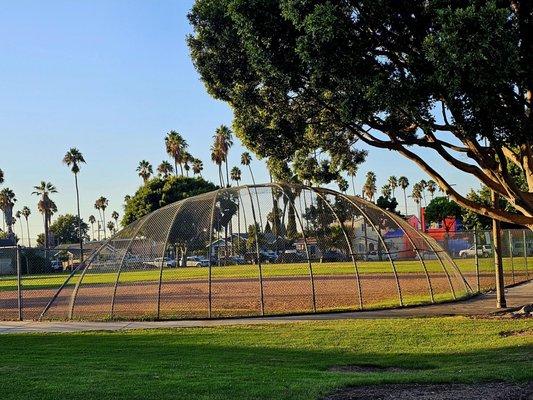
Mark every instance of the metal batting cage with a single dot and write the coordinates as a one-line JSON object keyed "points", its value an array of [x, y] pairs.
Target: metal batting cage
{"points": [[258, 250]]}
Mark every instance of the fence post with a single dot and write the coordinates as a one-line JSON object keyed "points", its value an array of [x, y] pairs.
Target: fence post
{"points": [[19, 284], [510, 236], [525, 252], [476, 258]]}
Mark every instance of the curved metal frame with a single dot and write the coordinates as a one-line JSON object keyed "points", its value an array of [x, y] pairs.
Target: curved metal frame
{"points": [[310, 264], [350, 248], [358, 204], [382, 242], [261, 292]]}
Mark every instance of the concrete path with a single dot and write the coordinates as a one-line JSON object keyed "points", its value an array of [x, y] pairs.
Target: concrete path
{"points": [[517, 296]]}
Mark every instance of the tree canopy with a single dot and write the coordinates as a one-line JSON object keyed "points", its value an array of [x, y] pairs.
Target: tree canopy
{"points": [[440, 209], [66, 229], [158, 192], [315, 77]]}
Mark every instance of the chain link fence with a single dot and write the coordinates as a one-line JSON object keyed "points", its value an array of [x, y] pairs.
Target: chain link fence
{"points": [[257, 250]]}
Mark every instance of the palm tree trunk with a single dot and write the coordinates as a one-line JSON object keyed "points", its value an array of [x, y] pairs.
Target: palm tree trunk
{"points": [[353, 185], [103, 218], [92, 229], [79, 217], [28, 229], [175, 167], [21, 232], [257, 198], [405, 201], [181, 169], [227, 170]]}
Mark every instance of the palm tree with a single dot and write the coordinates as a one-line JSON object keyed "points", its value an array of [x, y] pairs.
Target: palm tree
{"points": [[7, 201], [386, 191], [246, 160], [369, 189], [1, 176], [352, 171], [18, 215], [423, 184], [115, 216], [236, 175], [343, 184], [393, 184], [111, 227], [92, 220], [187, 158], [404, 184], [73, 159], [217, 156], [431, 187], [26, 213], [101, 204], [145, 170], [197, 167], [165, 169], [176, 146], [224, 139], [417, 197], [46, 206]]}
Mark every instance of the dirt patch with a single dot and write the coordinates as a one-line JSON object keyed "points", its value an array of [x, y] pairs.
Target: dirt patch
{"points": [[453, 391], [368, 369], [523, 332]]}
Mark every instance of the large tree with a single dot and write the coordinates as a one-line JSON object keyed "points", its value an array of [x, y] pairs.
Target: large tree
{"points": [[452, 77], [158, 192], [69, 228]]}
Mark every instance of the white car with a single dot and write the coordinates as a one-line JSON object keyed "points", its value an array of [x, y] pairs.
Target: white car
{"points": [[482, 251], [195, 261]]}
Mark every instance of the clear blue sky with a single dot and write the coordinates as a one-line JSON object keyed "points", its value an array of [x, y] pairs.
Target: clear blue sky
{"points": [[111, 78]]}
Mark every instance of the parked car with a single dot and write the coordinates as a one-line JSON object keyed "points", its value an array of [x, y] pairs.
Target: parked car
{"points": [[196, 261], [482, 251], [156, 262], [56, 266], [332, 256], [290, 256]]}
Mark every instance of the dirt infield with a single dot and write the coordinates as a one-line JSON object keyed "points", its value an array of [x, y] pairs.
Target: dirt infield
{"points": [[232, 297]]}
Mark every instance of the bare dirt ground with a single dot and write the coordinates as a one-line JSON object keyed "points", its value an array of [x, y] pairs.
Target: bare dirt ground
{"points": [[237, 297], [453, 391]]}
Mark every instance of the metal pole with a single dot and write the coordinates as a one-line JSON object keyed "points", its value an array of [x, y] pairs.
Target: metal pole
{"points": [[525, 252], [261, 294], [210, 255], [19, 284], [498, 263], [476, 258], [510, 236]]}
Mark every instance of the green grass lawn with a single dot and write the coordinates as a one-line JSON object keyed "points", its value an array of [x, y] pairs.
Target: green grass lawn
{"points": [[281, 361], [251, 271]]}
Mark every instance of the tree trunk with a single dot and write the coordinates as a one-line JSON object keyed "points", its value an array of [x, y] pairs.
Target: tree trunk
{"points": [[353, 185], [405, 201], [28, 229], [498, 262], [79, 217], [104, 227], [257, 198]]}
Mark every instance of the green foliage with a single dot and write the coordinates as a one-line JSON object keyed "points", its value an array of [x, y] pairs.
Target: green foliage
{"points": [[387, 203], [255, 238], [158, 192], [441, 208], [66, 229], [307, 80]]}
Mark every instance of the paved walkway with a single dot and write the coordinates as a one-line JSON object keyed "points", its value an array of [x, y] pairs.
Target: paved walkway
{"points": [[517, 296]]}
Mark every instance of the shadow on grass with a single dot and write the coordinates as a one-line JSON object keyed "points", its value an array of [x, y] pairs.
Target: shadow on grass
{"points": [[244, 363]]}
